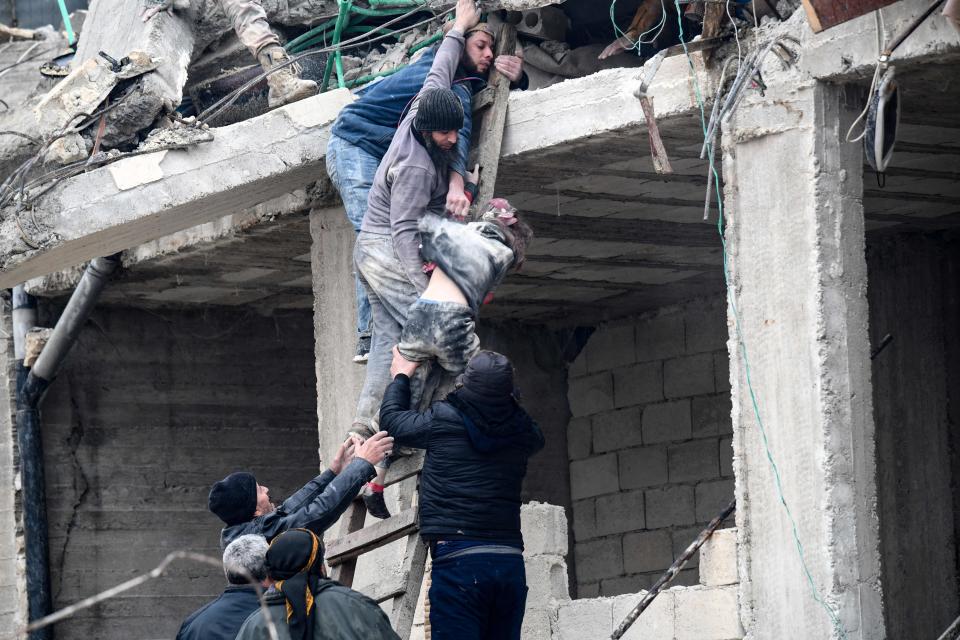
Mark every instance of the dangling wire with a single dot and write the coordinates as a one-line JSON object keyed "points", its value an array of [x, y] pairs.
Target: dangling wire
{"points": [[736, 34], [619, 33], [881, 65]]}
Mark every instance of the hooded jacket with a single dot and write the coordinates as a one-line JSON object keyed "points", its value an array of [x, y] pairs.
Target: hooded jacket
{"points": [[316, 506], [477, 450], [343, 614], [474, 255]]}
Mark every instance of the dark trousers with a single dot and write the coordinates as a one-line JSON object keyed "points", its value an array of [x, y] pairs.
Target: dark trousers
{"points": [[478, 597]]}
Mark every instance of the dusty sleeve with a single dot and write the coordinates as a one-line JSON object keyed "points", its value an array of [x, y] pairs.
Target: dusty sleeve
{"points": [[409, 197]]}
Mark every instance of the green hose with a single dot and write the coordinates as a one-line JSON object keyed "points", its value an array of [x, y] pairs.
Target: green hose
{"points": [[318, 30], [71, 36], [343, 20]]}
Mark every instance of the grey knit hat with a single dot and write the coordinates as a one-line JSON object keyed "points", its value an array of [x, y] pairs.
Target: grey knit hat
{"points": [[438, 110]]}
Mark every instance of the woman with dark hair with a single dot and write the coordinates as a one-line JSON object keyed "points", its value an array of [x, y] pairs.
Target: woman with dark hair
{"points": [[306, 605]]}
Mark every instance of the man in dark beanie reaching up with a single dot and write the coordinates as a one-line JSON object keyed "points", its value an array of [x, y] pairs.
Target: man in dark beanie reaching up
{"points": [[478, 441], [412, 180], [245, 507]]}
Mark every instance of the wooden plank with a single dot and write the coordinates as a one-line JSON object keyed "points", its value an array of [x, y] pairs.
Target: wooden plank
{"points": [[415, 561], [824, 14], [352, 521], [493, 121], [387, 589], [372, 537], [403, 468], [483, 99]]}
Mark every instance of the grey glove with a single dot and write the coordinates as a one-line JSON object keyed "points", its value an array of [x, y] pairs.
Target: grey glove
{"points": [[153, 7]]}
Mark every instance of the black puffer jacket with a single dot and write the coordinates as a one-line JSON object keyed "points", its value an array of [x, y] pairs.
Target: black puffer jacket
{"points": [[477, 451], [316, 506]]}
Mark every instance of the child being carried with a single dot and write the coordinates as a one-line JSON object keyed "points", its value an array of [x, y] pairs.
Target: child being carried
{"points": [[467, 262], [470, 262]]}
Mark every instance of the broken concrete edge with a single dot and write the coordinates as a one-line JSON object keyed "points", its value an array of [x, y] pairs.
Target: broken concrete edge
{"points": [[151, 196], [228, 227], [849, 52], [140, 199], [554, 115], [536, 121]]}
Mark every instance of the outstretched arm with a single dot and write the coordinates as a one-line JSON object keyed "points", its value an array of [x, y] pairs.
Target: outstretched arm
{"points": [[409, 428], [326, 506], [451, 49]]}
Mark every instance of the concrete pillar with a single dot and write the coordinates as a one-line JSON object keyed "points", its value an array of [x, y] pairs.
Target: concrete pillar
{"points": [[13, 603], [795, 234], [335, 332]]}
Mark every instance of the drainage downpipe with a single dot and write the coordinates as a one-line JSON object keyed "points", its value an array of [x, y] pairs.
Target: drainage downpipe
{"points": [[31, 385]]}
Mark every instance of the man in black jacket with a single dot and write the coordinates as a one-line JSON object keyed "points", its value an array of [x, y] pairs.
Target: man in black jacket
{"points": [[478, 441], [221, 619], [245, 507]]}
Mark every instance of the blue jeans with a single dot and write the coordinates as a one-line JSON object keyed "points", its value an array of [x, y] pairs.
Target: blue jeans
{"points": [[477, 597], [351, 169]]}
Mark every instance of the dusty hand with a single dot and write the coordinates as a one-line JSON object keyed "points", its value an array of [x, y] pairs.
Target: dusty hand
{"points": [[474, 176], [401, 365], [375, 448], [345, 454], [153, 7], [467, 16], [510, 66], [614, 48], [457, 203]]}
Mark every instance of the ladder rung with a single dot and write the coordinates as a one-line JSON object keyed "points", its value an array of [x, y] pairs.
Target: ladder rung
{"points": [[483, 99], [405, 467], [383, 591], [369, 538]]}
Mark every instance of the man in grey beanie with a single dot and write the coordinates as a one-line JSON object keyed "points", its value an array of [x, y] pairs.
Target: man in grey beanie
{"points": [[412, 180]]}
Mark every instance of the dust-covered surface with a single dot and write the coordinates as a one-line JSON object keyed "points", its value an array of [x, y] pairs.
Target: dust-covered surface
{"points": [[176, 137]]}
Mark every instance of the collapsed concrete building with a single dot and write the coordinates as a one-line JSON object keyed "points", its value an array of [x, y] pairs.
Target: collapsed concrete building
{"points": [[672, 365]]}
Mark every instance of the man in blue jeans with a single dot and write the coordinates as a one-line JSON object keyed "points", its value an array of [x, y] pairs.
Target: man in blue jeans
{"points": [[478, 441], [364, 129]]}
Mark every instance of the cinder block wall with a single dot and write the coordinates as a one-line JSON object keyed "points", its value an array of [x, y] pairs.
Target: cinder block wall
{"points": [[150, 410], [649, 444], [913, 293]]}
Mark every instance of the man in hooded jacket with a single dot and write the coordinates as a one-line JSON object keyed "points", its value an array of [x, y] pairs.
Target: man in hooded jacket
{"points": [[477, 442], [306, 605]]}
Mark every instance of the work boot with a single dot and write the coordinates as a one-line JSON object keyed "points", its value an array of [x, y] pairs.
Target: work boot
{"points": [[373, 499], [286, 86]]}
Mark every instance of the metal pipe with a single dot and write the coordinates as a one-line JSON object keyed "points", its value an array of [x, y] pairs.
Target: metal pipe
{"points": [[32, 481], [24, 319], [31, 386], [74, 315]]}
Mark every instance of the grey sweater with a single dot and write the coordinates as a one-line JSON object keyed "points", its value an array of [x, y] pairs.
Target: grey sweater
{"points": [[408, 184]]}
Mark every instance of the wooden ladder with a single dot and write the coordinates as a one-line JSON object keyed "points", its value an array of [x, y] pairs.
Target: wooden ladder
{"points": [[354, 539]]}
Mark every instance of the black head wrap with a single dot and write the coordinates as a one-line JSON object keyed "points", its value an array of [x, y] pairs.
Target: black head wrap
{"points": [[295, 563]]}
